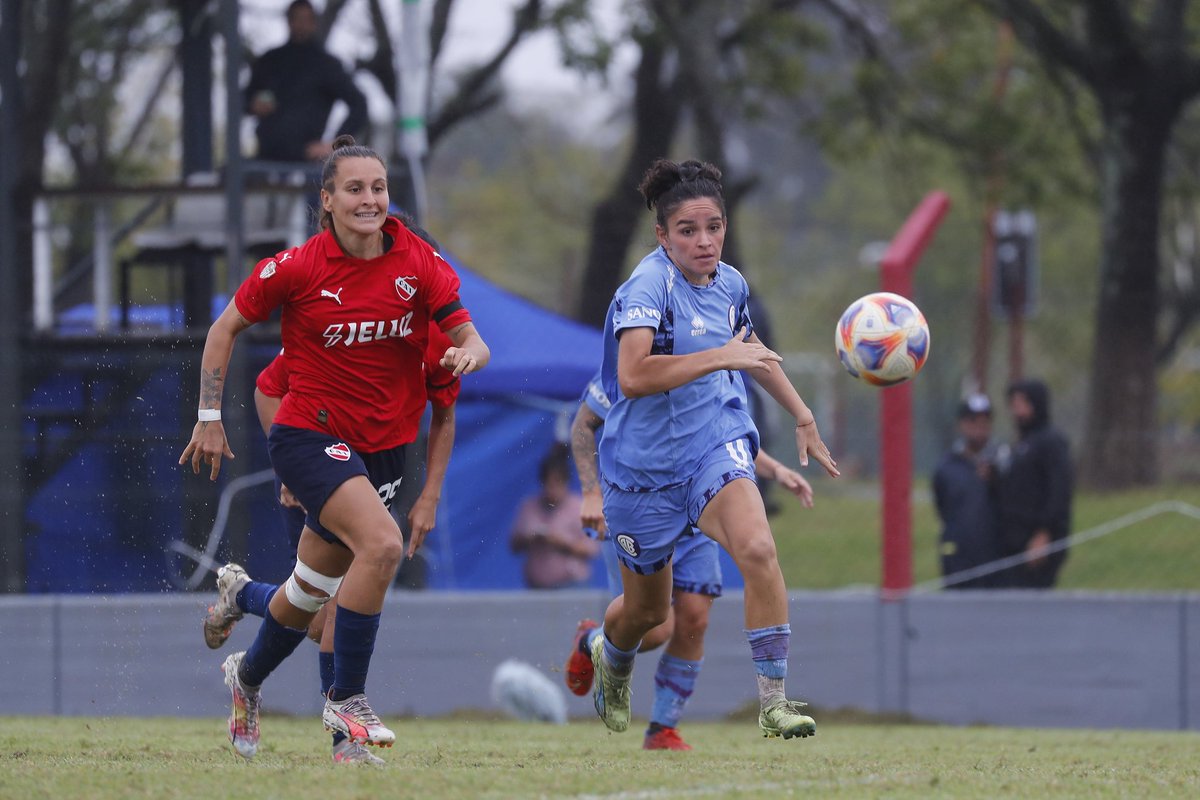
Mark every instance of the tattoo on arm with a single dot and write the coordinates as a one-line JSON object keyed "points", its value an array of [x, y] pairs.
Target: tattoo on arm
{"points": [[212, 385], [583, 448]]}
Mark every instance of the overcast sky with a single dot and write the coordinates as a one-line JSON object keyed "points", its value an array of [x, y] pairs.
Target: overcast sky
{"points": [[477, 27]]}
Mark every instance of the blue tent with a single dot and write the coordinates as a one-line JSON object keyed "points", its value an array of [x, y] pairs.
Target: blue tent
{"points": [[508, 416]]}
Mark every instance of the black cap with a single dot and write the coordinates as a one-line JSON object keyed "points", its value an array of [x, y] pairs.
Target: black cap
{"points": [[973, 405]]}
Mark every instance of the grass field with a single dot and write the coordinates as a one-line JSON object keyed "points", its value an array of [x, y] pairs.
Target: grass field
{"points": [[836, 544], [106, 759]]}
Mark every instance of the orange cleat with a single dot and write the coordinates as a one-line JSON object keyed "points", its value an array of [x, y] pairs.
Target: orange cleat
{"points": [[660, 738], [579, 671]]}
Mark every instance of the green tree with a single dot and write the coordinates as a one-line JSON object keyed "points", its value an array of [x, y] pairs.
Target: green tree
{"points": [[1119, 76]]}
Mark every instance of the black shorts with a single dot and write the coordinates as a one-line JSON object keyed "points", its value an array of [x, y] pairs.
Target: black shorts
{"points": [[314, 464]]}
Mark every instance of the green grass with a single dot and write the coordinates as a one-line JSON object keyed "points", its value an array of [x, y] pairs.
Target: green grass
{"points": [[108, 758], [836, 544]]}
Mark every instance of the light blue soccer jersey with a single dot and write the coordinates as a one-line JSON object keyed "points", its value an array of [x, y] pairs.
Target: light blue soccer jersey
{"points": [[658, 441]]}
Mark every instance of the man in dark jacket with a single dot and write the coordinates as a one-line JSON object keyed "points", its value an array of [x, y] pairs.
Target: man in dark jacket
{"points": [[963, 496], [292, 90], [1034, 486]]}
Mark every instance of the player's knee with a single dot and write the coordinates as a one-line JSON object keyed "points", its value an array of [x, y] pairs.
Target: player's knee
{"points": [[309, 590], [382, 552], [650, 617], [756, 552], [691, 623], [316, 629]]}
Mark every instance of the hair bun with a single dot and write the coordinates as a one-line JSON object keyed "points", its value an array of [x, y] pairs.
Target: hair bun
{"points": [[344, 140]]}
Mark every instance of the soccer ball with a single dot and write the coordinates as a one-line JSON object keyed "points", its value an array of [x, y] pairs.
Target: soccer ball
{"points": [[882, 338]]}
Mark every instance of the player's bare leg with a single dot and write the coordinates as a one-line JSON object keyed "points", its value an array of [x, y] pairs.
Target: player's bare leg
{"points": [[355, 514], [736, 519]]}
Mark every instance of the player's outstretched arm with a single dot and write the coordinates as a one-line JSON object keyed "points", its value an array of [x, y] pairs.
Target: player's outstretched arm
{"points": [[769, 467], [209, 443], [641, 373], [808, 438]]}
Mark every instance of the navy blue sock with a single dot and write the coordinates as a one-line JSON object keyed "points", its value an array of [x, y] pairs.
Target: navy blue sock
{"points": [[271, 646], [353, 645], [325, 661], [255, 596]]}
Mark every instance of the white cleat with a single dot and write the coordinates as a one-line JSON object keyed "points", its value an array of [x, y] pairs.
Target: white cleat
{"points": [[354, 718], [222, 615]]}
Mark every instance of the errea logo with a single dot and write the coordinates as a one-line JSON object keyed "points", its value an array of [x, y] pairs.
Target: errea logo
{"points": [[698, 328]]}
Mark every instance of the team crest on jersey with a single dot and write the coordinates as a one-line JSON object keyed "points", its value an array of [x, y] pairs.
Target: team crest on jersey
{"points": [[338, 452], [628, 544], [267, 271], [406, 286]]}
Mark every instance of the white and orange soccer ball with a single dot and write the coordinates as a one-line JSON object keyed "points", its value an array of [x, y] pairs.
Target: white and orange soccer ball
{"points": [[882, 338]]}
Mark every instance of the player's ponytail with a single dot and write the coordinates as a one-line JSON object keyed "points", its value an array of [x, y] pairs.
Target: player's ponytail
{"points": [[667, 184], [344, 146]]}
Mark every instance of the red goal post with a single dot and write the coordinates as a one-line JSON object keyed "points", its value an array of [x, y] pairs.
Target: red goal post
{"points": [[895, 430]]}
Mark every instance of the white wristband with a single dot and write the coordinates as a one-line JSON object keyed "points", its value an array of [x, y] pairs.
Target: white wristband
{"points": [[208, 414]]}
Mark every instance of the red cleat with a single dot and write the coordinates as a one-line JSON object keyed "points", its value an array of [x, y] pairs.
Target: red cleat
{"points": [[579, 671], [664, 739]]}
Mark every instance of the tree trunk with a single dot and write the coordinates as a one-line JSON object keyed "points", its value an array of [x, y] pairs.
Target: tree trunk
{"points": [[1120, 447], [616, 218]]}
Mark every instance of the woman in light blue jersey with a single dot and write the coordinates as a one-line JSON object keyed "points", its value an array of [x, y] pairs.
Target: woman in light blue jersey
{"points": [[678, 446]]}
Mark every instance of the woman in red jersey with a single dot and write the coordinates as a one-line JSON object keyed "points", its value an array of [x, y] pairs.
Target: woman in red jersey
{"points": [[357, 300]]}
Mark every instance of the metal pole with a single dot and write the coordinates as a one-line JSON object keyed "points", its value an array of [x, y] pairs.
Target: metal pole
{"points": [[43, 268], [413, 84], [12, 315], [102, 266], [235, 243]]}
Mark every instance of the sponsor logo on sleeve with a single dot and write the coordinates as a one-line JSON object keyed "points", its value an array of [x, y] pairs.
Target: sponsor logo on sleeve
{"points": [[338, 452], [642, 312]]}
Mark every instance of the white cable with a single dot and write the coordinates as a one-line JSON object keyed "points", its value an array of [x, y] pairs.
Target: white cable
{"points": [[204, 560], [1112, 526]]}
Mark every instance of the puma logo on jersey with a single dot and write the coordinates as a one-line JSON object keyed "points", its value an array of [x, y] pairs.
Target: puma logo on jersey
{"points": [[334, 295], [349, 333]]}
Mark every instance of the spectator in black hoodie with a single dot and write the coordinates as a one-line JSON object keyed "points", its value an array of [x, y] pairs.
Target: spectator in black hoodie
{"points": [[1033, 489], [292, 90]]}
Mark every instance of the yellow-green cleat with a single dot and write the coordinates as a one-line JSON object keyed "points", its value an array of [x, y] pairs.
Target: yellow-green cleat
{"points": [[610, 694], [783, 718]]}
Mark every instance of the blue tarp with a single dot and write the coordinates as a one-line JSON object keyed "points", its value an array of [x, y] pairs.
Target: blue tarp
{"points": [[508, 416]]}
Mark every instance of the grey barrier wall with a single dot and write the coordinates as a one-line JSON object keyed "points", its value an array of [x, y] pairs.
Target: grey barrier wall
{"points": [[1031, 659]]}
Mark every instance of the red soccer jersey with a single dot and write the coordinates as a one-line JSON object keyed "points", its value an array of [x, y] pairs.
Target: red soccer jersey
{"points": [[355, 332], [441, 384], [273, 380]]}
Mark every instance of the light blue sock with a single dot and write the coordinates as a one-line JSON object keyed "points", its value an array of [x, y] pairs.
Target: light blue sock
{"points": [[619, 661], [769, 649], [673, 685], [586, 643]]}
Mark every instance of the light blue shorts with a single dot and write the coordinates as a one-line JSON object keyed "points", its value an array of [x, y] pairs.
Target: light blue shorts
{"points": [[696, 565], [645, 526]]}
